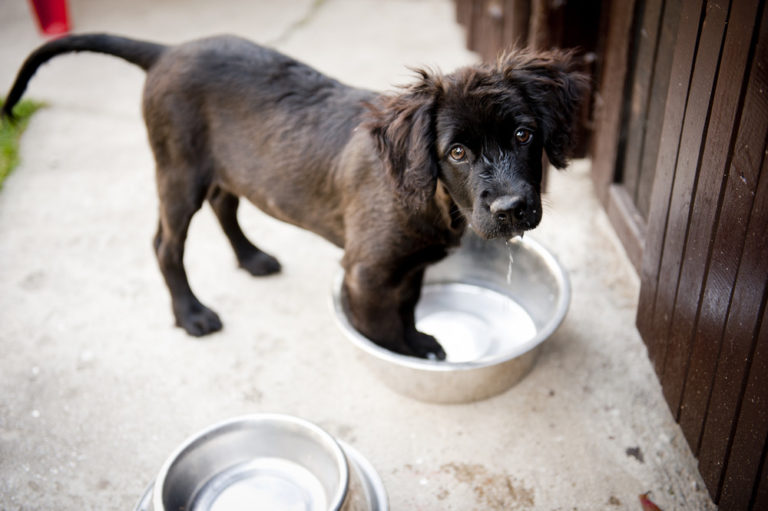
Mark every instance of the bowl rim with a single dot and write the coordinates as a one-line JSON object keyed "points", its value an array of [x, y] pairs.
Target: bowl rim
{"points": [[335, 501], [434, 366]]}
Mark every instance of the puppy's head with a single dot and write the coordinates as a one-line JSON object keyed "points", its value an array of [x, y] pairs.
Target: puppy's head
{"points": [[482, 131]]}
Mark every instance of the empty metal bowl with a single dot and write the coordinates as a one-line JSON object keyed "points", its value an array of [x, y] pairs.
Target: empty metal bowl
{"points": [[265, 461], [490, 304]]}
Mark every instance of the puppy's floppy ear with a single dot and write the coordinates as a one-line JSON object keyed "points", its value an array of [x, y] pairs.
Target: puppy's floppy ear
{"points": [[402, 126], [555, 89]]}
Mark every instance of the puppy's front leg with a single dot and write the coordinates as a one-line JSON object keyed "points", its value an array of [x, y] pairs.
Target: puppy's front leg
{"points": [[381, 307], [422, 344]]}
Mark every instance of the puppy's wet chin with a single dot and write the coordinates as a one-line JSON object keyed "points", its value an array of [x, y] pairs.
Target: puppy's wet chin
{"points": [[487, 229], [496, 232]]}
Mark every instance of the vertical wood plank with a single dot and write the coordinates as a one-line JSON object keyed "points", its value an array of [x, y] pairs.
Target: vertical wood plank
{"points": [[747, 179], [491, 30], [669, 298], [641, 53], [683, 184], [538, 36], [629, 226], [726, 101], [517, 14], [666, 163], [747, 423], [463, 12], [674, 356], [637, 106], [657, 104], [740, 189], [475, 15], [733, 361], [760, 499], [609, 97]]}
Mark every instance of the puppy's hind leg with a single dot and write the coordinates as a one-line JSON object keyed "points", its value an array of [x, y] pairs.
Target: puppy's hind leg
{"points": [[249, 256], [176, 211]]}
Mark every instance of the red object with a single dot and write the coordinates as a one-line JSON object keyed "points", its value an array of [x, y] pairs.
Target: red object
{"points": [[52, 16], [647, 503]]}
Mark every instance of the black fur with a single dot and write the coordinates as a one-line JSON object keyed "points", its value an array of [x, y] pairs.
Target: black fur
{"points": [[393, 179]]}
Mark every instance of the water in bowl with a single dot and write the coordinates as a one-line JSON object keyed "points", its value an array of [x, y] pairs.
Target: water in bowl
{"points": [[472, 323], [263, 483]]}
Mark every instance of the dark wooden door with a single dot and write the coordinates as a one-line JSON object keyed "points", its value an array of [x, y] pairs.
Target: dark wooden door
{"points": [[630, 110], [705, 264], [678, 162]]}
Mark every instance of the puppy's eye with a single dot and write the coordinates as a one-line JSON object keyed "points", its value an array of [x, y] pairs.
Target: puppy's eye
{"points": [[458, 153], [523, 136]]}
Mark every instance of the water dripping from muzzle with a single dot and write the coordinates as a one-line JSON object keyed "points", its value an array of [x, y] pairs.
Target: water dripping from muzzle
{"points": [[510, 242]]}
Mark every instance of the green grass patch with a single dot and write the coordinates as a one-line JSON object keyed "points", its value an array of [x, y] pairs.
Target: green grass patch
{"points": [[10, 133]]}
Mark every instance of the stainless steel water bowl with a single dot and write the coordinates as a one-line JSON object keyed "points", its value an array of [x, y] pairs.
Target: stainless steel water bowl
{"points": [[265, 461], [490, 304]]}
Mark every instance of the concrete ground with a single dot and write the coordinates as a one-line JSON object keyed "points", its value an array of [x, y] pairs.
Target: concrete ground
{"points": [[97, 386]]}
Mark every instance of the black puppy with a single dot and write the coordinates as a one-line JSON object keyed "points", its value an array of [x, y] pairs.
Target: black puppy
{"points": [[392, 179]]}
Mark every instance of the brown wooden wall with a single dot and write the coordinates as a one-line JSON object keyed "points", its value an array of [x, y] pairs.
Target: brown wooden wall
{"points": [[705, 260], [679, 148]]}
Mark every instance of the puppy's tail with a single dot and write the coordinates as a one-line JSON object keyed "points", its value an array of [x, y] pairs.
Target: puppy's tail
{"points": [[141, 53]]}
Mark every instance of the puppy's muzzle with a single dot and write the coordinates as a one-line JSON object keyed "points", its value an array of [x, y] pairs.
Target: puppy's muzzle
{"points": [[509, 209], [511, 215]]}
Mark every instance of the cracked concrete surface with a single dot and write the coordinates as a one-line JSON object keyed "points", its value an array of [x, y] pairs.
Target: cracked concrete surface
{"points": [[97, 387]]}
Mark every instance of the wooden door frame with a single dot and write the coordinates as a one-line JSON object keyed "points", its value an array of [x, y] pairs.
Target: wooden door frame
{"points": [[608, 114]]}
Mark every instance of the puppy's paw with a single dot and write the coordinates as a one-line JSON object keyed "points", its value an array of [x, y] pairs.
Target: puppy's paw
{"points": [[199, 321], [260, 264], [426, 346]]}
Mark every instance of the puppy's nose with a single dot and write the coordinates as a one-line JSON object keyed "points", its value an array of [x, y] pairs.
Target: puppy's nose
{"points": [[509, 207]]}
